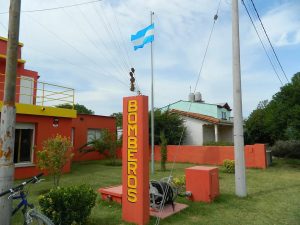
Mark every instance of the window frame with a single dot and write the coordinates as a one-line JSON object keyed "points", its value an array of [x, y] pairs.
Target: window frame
{"points": [[95, 130], [31, 126], [224, 117]]}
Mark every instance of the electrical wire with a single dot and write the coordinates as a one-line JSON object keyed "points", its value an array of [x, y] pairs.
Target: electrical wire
{"points": [[3, 26], [125, 46], [60, 59], [116, 65], [56, 8], [111, 33], [74, 48], [269, 40], [262, 42], [113, 37], [183, 130]]}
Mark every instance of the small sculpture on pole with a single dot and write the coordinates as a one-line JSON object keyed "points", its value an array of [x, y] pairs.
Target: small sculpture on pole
{"points": [[132, 79]]}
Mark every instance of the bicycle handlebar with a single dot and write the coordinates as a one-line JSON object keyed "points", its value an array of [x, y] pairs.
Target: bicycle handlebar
{"points": [[19, 187]]}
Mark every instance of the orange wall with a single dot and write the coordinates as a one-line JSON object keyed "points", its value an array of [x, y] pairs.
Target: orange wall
{"points": [[3, 46], [81, 125], [21, 71], [255, 155], [43, 130]]}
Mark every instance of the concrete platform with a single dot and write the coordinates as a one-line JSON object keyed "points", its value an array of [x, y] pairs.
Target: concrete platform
{"points": [[113, 193], [168, 210]]}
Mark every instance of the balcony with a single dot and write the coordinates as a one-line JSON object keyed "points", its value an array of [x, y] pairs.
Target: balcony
{"points": [[33, 92]]}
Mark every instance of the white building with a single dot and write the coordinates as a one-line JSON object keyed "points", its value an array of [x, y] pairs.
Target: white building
{"points": [[205, 122]]}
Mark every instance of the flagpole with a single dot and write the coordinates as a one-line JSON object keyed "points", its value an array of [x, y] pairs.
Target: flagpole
{"points": [[152, 104]]}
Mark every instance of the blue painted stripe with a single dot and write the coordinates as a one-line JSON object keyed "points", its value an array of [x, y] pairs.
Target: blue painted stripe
{"points": [[142, 33], [146, 40]]}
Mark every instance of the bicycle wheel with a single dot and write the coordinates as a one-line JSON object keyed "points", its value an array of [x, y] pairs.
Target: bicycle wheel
{"points": [[39, 219]]}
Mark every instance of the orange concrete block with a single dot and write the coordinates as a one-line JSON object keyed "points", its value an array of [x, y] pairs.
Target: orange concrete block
{"points": [[113, 193], [203, 182]]}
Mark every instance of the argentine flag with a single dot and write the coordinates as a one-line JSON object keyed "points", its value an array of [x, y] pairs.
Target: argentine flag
{"points": [[143, 37]]}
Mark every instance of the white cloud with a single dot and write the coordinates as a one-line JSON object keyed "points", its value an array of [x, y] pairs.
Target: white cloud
{"points": [[282, 24], [77, 47]]}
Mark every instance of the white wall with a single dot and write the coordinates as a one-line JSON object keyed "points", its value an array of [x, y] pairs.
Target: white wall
{"points": [[226, 133], [209, 133], [199, 132], [194, 131]]}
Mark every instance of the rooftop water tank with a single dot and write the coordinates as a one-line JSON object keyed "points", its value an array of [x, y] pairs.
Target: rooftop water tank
{"points": [[191, 97], [198, 97]]}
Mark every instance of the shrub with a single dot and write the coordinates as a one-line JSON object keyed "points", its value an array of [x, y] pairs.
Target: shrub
{"points": [[179, 183], [70, 205], [229, 165], [287, 149], [54, 156], [107, 144], [218, 143]]}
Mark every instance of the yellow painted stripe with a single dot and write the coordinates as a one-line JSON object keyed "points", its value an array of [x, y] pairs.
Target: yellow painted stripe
{"points": [[43, 111], [5, 39], [19, 60]]}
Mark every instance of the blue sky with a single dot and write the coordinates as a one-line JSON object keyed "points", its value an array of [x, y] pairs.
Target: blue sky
{"points": [[101, 32]]}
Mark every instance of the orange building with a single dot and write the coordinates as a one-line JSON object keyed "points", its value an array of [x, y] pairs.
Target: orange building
{"points": [[37, 118]]}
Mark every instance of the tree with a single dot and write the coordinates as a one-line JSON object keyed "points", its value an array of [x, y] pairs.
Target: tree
{"points": [[255, 126], [119, 119], [163, 151], [107, 144], [171, 124], [53, 157], [279, 119], [81, 109]]}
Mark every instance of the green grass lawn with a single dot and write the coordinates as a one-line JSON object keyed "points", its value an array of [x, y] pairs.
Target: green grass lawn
{"points": [[273, 196]]}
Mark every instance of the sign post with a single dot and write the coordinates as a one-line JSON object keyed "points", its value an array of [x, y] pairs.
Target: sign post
{"points": [[135, 160]]}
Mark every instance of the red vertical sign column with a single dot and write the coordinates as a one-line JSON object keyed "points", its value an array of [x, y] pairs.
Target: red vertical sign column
{"points": [[135, 160]]}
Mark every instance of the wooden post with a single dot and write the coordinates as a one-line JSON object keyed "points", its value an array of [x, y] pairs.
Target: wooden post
{"points": [[8, 112]]}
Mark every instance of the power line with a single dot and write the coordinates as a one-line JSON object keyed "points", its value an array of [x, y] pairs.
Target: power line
{"points": [[124, 45], [60, 59], [55, 8], [206, 49], [121, 37], [121, 70], [74, 48], [113, 38], [269, 40], [262, 42], [3, 26], [183, 130]]}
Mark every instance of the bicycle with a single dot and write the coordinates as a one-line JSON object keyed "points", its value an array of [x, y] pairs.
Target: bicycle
{"points": [[30, 214]]}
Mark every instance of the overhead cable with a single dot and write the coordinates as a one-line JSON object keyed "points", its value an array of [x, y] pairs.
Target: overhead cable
{"points": [[74, 48], [113, 38], [183, 130], [121, 69], [55, 8], [269, 40], [65, 60], [262, 42], [124, 44]]}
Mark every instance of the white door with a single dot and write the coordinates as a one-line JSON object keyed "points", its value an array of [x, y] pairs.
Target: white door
{"points": [[26, 90]]}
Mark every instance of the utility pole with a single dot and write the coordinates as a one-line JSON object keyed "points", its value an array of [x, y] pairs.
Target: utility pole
{"points": [[238, 133], [8, 112]]}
